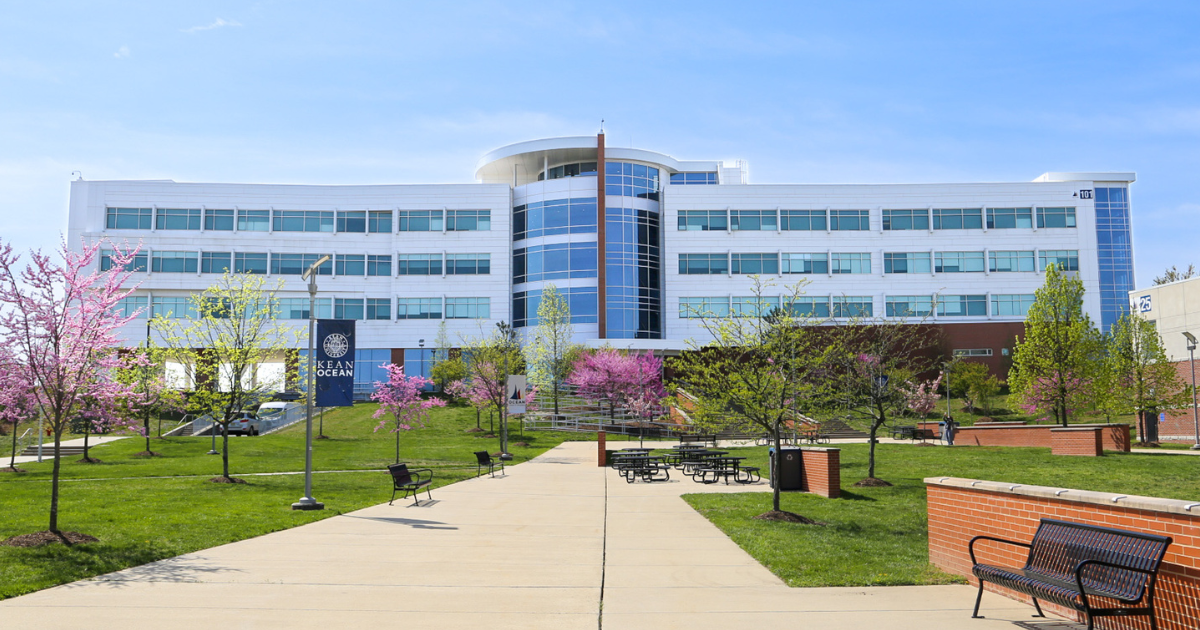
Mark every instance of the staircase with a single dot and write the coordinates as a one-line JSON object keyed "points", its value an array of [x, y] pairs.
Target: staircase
{"points": [[837, 429], [48, 450]]}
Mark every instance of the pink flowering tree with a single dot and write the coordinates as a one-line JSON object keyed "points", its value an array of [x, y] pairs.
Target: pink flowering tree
{"points": [[60, 319], [921, 398], [16, 399], [1047, 396], [401, 407], [632, 382]]}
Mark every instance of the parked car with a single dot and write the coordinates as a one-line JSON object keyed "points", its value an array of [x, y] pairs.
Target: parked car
{"points": [[246, 423]]}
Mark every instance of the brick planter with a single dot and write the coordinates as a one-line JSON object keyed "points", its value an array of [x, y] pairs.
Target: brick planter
{"points": [[822, 471], [1084, 441]]}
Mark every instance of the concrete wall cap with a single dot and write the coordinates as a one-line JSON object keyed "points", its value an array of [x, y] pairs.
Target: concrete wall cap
{"points": [[1149, 504], [1089, 429], [823, 449]]}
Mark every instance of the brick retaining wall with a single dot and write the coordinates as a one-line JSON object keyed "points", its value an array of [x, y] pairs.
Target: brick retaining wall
{"points": [[1115, 437], [960, 509], [1085, 441], [822, 471]]}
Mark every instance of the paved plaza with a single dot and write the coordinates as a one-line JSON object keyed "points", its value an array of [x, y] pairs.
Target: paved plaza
{"points": [[556, 543]]}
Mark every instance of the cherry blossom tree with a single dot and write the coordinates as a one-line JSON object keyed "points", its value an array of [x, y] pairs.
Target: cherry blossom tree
{"points": [[60, 319], [400, 402], [631, 382], [16, 400], [922, 397]]}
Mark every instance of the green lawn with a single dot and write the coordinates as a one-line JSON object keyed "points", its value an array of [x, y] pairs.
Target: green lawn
{"points": [[878, 536], [139, 518]]}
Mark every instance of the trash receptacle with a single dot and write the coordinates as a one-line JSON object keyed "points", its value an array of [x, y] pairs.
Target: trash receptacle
{"points": [[791, 475]]}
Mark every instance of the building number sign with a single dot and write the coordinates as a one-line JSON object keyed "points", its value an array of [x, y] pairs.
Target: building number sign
{"points": [[1085, 194], [1144, 304]]}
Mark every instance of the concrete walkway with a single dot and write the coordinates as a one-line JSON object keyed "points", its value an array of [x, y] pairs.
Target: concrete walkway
{"points": [[557, 543]]}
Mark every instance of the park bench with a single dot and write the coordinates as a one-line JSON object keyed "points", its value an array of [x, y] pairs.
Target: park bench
{"points": [[691, 438], [410, 481], [1072, 564], [484, 459]]}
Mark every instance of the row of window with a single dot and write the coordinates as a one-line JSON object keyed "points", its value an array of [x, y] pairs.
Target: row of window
{"points": [[159, 261], [554, 262], [556, 216], [893, 262], [893, 220], [858, 306], [363, 221], [182, 307]]}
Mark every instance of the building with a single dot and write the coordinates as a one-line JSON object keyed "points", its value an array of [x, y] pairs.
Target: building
{"points": [[679, 237], [1175, 309]]}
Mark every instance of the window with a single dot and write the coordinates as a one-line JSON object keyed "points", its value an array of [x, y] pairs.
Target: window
{"points": [[351, 264], [379, 265], [1011, 305], [133, 306], [906, 219], [137, 264], [420, 220], [1009, 218], [853, 306], [906, 262], [347, 308], [1054, 217], [1065, 259], [701, 307], [802, 220], [419, 264], [379, 221], [973, 352], [693, 179], [297, 264], [569, 170], [468, 220], [379, 308], [703, 263], [755, 263], [297, 308], [220, 220], [909, 305], [177, 219], [805, 263], [957, 219], [749, 220], [958, 262], [809, 307], [418, 308], [254, 220], [962, 306], [302, 221], [753, 306], [631, 180], [582, 302], [174, 262], [849, 220], [351, 221], [1006, 261], [468, 308], [468, 264], [249, 263], [128, 218], [702, 220], [556, 216], [856, 262], [173, 307]]}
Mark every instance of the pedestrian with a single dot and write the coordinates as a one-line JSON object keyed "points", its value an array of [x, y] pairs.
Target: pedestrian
{"points": [[949, 426]]}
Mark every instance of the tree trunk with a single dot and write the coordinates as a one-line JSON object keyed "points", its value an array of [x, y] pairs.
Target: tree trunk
{"points": [[556, 399], [397, 441], [478, 420], [777, 470], [146, 425], [225, 450], [54, 482], [12, 461], [87, 432], [875, 424]]}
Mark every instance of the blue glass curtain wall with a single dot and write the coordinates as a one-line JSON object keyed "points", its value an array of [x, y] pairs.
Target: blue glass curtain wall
{"points": [[1115, 246], [633, 267]]}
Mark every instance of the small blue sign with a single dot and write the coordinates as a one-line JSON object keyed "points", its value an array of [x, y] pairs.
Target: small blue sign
{"points": [[1162, 417], [1144, 305]]}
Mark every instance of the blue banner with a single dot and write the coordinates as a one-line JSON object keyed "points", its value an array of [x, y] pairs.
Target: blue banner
{"points": [[335, 363]]}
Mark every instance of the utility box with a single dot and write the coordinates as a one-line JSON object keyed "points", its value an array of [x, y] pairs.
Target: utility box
{"points": [[791, 477]]}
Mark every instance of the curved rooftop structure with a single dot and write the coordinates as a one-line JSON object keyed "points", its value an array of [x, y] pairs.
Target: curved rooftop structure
{"points": [[522, 163]]}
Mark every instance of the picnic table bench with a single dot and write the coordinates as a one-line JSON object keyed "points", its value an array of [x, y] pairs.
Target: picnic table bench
{"points": [[644, 467], [410, 481], [1071, 564]]}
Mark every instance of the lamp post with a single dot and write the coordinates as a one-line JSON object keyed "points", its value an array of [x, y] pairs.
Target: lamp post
{"points": [[307, 502], [1191, 346]]}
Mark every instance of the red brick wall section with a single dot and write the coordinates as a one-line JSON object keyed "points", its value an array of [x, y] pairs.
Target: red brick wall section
{"points": [[960, 509], [822, 471], [601, 444], [1115, 437], [1077, 441]]}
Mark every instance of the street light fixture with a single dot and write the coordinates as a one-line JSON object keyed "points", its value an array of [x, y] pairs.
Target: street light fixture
{"points": [[307, 502], [1191, 346]]}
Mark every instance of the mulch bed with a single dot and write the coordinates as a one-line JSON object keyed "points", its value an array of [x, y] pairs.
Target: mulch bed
{"points": [[872, 482], [474, 430], [40, 539], [147, 454], [322, 437], [88, 460], [13, 470], [521, 444], [787, 517], [226, 480]]}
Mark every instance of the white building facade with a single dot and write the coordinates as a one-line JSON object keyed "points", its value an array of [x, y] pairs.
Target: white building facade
{"points": [[639, 241]]}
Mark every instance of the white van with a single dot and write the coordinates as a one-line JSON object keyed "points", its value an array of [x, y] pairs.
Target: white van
{"points": [[271, 410]]}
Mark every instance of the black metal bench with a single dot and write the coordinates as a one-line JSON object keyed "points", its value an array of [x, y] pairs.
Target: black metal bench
{"points": [[410, 481], [692, 438], [483, 459], [1071, 564]]}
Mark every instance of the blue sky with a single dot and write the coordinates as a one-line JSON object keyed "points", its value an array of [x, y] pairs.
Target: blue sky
{"points": [[408, 92]]}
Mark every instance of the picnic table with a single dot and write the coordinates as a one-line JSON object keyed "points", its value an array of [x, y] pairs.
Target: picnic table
{"points": [[645, 467]]}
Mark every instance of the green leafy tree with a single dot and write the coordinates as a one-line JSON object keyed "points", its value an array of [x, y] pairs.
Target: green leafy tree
{"points": [[224, 348], [759, 368], [550, 350], [974, 383], [1138, 376], [1055, 366], [447, 367], [1175, 275]]}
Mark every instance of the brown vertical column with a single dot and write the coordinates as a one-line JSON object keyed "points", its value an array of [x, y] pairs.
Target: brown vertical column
{"points": [[601, 297]]}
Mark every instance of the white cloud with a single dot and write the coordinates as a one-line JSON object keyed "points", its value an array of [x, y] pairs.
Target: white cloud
{"points": [[122, 52], [217, 24]]}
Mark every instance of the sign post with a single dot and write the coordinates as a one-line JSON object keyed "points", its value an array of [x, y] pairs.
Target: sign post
{"points": [[514, 395]]}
